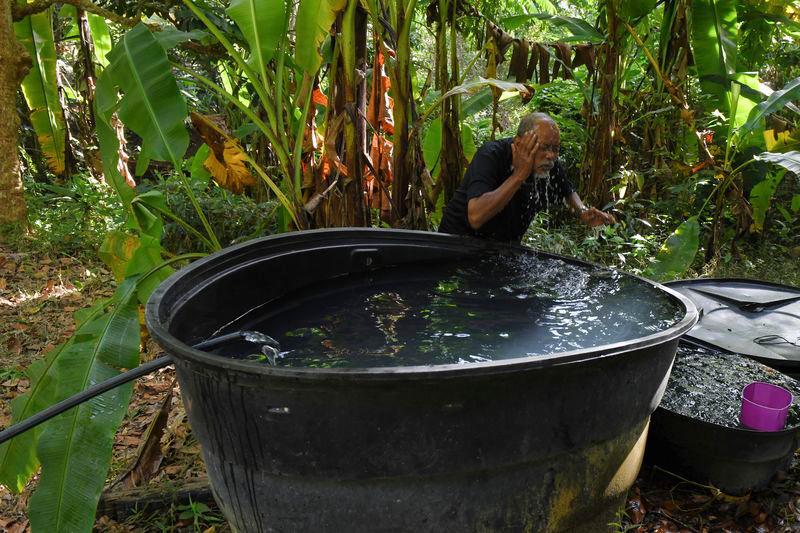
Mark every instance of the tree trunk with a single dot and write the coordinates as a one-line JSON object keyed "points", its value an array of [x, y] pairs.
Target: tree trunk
{"points": [[599, 158], [14, 65], [403, 163], [452, 151], [349, 208]]}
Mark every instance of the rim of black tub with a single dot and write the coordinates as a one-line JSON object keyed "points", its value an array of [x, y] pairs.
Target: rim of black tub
{"points": [[200, 274]]}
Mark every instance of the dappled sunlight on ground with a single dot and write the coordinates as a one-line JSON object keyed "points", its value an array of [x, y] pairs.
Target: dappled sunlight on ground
{"points": [[38, 298]]}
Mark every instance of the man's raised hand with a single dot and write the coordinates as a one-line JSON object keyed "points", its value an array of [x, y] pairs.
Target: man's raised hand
{"points": [[523, 154]]}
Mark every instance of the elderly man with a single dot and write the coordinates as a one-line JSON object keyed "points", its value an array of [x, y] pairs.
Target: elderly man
{"points": [[510, 180]]}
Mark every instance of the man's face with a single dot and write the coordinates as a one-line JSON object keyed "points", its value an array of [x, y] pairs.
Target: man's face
{"points": [[549, 145]]}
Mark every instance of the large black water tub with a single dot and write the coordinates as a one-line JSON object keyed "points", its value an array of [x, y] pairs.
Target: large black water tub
{"points": [[545, 443]]}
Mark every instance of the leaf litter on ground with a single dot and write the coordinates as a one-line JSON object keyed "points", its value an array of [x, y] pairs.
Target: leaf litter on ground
{"points": [[38, 296]]}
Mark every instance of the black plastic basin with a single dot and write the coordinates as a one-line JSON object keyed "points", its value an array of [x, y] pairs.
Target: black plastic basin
{"points": [[545, 443]]}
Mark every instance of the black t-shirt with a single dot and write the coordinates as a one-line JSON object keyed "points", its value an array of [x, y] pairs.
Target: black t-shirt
{"points": [[489, 168]]}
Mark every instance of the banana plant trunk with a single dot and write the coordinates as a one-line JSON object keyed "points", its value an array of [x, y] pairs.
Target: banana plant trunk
{"points": [[599, 160], [452, 152], [351, 209], [87, 58], [403, 162], [14, 65]]}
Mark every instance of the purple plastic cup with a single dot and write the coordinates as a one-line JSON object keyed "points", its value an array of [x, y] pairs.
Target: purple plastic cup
{"points": [[765, 406]]}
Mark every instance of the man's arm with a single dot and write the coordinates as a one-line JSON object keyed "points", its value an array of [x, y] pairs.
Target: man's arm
{"points": [[591, 216], [481, 209]]}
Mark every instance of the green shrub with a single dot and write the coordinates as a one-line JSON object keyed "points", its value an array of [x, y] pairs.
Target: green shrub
{"points": [[71, 218], [234, 218]]}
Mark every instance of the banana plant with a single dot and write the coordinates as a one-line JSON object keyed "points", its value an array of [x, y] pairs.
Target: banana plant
{"points": [[264, 26], [74, 449], [715, 46], [40, 87], [679, 250]]}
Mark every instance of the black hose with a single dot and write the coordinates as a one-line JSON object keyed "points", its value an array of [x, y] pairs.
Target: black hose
{"points": [[104, 386]]}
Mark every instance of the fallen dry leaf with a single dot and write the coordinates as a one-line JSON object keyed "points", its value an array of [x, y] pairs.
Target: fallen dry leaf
{"points": [[149, 455], [130, 440], [636, 509], [17, 527], [48, 288], [14, 345], [173, 469]]}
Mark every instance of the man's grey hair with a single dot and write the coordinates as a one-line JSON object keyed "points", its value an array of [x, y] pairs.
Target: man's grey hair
{"points": [[530, 121]]}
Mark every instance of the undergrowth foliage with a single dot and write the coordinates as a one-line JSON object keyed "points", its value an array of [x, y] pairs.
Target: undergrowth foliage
{"points": [[235, 218], [68, 218]]}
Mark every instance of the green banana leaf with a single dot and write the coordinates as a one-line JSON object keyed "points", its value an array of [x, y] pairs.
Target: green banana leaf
{"points": [[665, 33], [169, 37], [117, 250], [145, 253], [152, 105], [468, 142], [677, 252], [314, 21], [263, 24], [18, 460], [479, 83], [748, 98], [197, 172], [75, 448], [775, 102], [432, 146], [581, 30], [714, 45], [40, 87], [101, 38], [788, 160], [634, 9], [761, 198], [105, 104], [68, 15], [476, 103]]}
